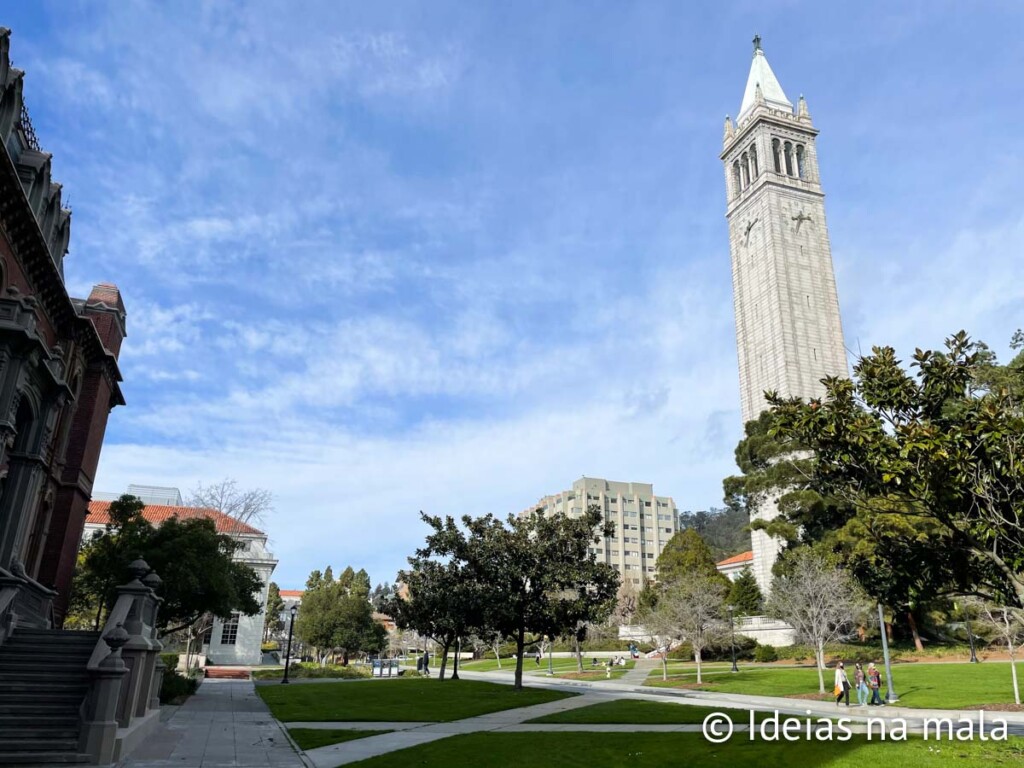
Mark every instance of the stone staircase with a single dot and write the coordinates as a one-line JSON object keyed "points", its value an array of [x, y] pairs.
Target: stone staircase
{"points": [[43, 681]]}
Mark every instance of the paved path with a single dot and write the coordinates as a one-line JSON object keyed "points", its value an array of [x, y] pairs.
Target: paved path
{"points": [[372, 746], [638, 673], [225, 724]]}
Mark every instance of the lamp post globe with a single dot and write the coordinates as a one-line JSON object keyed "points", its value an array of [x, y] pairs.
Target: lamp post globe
{"points": [[288, 654]]}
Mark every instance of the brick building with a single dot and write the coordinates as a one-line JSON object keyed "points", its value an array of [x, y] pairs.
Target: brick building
{"points": [[58, 376]]}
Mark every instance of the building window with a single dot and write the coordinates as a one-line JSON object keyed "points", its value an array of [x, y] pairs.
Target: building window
{"points": [[229, 632], [800, 161], [777, 155]]}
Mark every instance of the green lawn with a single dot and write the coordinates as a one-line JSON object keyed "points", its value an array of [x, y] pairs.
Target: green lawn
{"points": [[688, 750], [397, 700], [644, 712], [561, 666], [311, 738], [941, 686]]}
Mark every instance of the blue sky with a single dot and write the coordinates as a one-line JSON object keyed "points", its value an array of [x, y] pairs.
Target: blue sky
{"points": [[380, 258]]}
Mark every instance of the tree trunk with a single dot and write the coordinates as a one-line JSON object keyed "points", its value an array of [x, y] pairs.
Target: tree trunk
{"points": [[888, 630], [696, 657], [1013, 671], [913, 631], [344, 658], [520, 645], [497, 654], [579, 655], [455, 661], [444, 658], [664, 664], [820, 652]]}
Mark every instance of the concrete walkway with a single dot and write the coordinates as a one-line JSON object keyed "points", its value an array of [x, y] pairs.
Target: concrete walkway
{"points": [[372, 746], [224, 725]]}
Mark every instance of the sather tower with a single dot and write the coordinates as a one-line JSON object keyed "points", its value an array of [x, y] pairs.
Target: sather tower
{"points": [[788, 332]]}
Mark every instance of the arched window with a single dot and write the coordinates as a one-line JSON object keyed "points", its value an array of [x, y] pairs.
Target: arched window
{"points": [[777, 155], [754, 170], [800, 161], [737, 183], [23, 425], [787, 151], [745, 169]]}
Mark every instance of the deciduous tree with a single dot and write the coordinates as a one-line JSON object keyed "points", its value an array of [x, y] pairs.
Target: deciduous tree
{"points": [[822, 602], [689, 608]]}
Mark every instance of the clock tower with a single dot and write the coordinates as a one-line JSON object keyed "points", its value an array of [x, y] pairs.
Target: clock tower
{"points": [[788, 332]]}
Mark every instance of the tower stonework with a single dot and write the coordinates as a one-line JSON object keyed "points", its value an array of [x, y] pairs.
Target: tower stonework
{"points": [[788, 331]]}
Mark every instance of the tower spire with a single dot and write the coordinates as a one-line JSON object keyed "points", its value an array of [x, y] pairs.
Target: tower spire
{"points": [[761, 75]]}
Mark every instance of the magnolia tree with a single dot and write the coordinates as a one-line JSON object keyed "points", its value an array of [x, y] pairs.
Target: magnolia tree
{"points": [[689, 608], [822, 602]]}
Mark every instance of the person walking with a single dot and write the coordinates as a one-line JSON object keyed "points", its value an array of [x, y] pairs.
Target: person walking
{"points": [[860, 680], [875, 685], [842, 684]]}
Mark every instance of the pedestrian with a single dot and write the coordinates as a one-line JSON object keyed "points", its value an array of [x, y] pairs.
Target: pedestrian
{"points": [[608, 669], [860, 680], [537, 658], [875, 684], [842, 685]]}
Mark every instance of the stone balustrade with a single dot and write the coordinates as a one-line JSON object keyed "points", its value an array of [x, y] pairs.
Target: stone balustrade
{"points": [[123, 703], [23, 602]]}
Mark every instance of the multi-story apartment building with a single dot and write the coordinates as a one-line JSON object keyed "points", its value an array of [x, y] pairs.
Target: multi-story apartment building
{"points": [[643, 522]]}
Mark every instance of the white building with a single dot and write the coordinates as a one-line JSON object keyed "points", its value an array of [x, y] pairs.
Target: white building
{"points": [[788, 331], [643, 522], [232, 640], [733, 566]]}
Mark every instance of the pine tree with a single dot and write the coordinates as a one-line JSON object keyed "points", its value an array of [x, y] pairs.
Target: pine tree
{"points": [[745, 596]]}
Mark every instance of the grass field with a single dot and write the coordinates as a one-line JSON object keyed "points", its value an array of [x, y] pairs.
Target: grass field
{"points": [[673, 750], [940, 686], [311, 738], [400, 700], [644, 712], [560, 666]]}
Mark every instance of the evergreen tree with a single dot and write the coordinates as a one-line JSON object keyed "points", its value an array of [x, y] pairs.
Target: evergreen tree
{"points": [[275, 607], [745, 596], [686, 553]]}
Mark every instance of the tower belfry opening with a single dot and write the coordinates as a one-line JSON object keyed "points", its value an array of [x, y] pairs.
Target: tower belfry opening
{"points": [[789, 334]]}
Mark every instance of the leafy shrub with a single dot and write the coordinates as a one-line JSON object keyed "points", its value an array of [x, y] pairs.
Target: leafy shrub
{"points": [[273, 645], [170, 660], [314, 671], [765, 654], [176, 687]]}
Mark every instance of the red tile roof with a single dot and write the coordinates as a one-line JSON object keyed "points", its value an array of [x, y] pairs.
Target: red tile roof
{"points": [[157, 513], [292, 592], [743, 557]]}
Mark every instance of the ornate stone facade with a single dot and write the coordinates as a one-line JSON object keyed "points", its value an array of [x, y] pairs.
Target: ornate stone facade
{"points": [[788, 331], [58, 374]]}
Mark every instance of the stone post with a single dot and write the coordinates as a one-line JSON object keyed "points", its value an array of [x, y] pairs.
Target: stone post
{"points": [[99, 722], [135, 689]]}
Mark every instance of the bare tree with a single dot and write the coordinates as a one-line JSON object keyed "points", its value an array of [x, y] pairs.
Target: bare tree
{"points": [[689, 608], [627, 603], [248, 507], [1007, 624], [822, 602]]}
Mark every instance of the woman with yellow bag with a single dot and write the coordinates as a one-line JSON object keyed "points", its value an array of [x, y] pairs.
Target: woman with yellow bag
{"points": [[842, 684]]}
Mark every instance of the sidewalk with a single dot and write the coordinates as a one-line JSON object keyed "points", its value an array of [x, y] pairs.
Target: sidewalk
{"points": [[761, 703], [225, 724], [405, 736]]}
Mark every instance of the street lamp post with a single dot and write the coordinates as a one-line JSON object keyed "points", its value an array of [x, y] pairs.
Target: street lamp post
{"points": [[732, 638], [890, 690], [288, 653]]}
